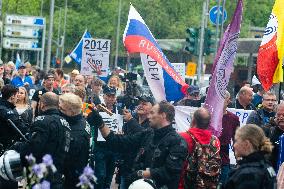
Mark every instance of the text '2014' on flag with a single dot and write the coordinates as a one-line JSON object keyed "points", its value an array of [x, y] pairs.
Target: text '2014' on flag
{"points": [[222, 69], [76, 54], [163, 80], [271, 50]]}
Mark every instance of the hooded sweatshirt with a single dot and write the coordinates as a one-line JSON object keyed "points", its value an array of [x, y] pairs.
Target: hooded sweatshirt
{"points": [[202, 136]]}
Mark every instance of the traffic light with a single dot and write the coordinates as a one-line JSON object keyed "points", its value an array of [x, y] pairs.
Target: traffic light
{"points": [[209, 42], [40, 37], [192, 40]]}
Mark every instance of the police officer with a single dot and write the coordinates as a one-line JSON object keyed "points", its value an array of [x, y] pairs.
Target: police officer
{"points": [[8, 135], [7, 111], [161, 150], [50, 134], [70, 106]]}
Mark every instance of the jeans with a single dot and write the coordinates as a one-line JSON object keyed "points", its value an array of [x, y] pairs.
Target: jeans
{"points": [[104, 167], [225, 169]]}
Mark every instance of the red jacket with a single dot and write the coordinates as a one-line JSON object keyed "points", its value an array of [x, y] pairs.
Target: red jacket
{"points": [[202, 136]]}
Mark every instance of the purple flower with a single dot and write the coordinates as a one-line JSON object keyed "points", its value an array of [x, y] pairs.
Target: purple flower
{"points": [[84, 180], [88, 171], [37, 170], [36, 186], [45, 185], [31, 159], [47, 160]]}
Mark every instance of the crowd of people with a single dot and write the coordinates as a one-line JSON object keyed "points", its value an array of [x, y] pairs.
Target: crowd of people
{"points": [[81, 120]]}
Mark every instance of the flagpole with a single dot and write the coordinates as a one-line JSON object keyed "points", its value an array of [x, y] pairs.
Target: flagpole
{"points": [[117, 34]]}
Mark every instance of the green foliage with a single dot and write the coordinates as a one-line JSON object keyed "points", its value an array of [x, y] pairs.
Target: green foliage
{"points": [[165, 18]]}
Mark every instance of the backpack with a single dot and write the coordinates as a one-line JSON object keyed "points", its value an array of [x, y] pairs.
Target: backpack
{"points": [[204, 165]]}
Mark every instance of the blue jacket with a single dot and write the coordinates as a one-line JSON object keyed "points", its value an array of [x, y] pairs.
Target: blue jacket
{"points": [[18, 82]]}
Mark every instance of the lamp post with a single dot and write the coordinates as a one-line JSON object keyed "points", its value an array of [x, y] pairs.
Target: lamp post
{"points": [[63, 36], [50, 30], [117, 34]]}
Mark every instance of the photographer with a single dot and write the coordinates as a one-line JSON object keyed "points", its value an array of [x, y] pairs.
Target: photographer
{"points": [[131, 127], [131, 92]]}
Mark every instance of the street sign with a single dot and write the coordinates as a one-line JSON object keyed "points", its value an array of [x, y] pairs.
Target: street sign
{"points": [[95, 57], [25, 20], [21, 44], [21, 31], [213, 14], [191, 69]]}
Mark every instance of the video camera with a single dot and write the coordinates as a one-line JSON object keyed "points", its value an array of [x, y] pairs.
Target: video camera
{"points": [[129, 100]]}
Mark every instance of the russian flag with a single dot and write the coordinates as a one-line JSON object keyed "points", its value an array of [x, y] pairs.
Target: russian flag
{"points": [[163, 80]]}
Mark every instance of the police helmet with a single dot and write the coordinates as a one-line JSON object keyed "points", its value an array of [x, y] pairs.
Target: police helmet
{"points": [[10, 166], [142, 184]]}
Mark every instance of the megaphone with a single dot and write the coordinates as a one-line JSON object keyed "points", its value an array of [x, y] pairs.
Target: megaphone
{"points": [[10, 166]]}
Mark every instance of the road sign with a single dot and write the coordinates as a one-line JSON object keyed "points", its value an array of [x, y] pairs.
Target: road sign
{"points": [[21, 44], [21, 31], [25, 20], [213, 14], [191, 69], [95, 57]]}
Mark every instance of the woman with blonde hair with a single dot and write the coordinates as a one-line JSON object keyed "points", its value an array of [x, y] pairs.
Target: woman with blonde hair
{"points": [[253, 170], [115, 81], [23, 106]]}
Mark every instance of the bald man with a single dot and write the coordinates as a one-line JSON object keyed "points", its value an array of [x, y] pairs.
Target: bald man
{"points": [[199, 133], [244, 99], [79, 81], [50, 135]]}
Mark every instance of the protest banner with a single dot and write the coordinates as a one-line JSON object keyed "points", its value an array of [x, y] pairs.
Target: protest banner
{"points": [[95, 57]]}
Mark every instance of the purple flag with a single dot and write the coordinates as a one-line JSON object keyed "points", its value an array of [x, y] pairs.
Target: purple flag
{"points": [[222, 69]]}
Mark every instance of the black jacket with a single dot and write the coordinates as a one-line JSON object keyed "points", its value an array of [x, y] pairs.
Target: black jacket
{"points": [[161, 150], [275, 133], [253, 172], [50, 134], [7, 132], [78, 154]]}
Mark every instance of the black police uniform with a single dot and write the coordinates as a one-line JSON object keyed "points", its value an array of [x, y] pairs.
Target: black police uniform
{"points": [[7, 133], [162, 150], [253, 172], [50, 134], [79, 152]]}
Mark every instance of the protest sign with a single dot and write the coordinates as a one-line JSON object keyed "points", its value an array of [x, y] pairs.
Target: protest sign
{"points": [[95, 57]]}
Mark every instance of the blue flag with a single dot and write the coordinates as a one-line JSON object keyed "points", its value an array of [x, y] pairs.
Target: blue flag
{"points": [[76, 54], [18, 61]]}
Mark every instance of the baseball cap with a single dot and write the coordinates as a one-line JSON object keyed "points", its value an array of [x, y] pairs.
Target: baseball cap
{"points": [[146, 99], [48, 75], [193, 89], [22, 66], [109, 90], [76, 72]]}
